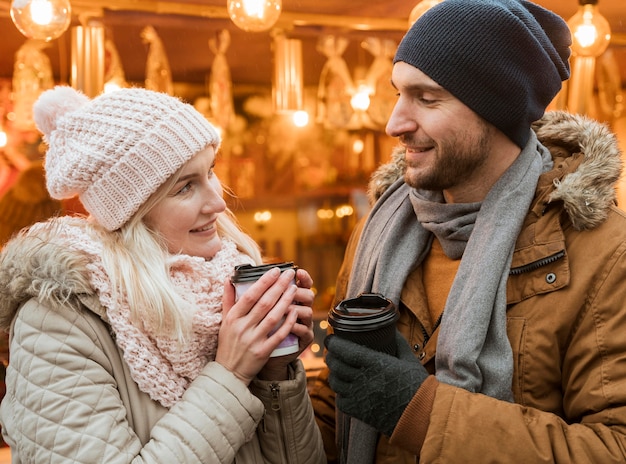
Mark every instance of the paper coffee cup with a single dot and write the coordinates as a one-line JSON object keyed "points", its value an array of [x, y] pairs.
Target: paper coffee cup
{"points": [[244, 276], [369, 320]]}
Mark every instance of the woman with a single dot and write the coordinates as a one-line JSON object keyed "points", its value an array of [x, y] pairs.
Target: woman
{"points": [[126, 344]]}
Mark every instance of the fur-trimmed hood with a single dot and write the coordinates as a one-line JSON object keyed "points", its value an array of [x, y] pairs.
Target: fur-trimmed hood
{"points": [[587, 192], [37, 265]]}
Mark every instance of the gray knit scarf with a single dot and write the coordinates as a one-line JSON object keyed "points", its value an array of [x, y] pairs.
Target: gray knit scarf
{"points": [[473, 351]]}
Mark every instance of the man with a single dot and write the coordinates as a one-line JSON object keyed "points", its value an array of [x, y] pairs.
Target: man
{"points": [[496, 235]]}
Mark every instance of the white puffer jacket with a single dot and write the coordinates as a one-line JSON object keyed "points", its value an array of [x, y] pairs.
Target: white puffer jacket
{"points": [[70, 396]]}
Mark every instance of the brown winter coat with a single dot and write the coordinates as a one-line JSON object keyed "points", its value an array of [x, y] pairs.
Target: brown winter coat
{"points": [[566, 315]]}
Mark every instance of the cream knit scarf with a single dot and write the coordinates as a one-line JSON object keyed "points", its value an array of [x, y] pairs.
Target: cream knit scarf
{"points": [[158, 364]]}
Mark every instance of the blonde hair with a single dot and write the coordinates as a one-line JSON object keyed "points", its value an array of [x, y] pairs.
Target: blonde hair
{"points": [[135, 257]]}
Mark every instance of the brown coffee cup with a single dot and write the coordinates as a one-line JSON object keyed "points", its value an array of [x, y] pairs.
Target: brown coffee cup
{"points": [[369, 320]]}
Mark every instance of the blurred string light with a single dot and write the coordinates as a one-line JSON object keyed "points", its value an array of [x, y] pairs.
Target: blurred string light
{"points": [[339, 212], [325, 213], [300, 118], [358, 146], [41, 19], [254, 15], [262, 217], [343, 211], [360, 99]]}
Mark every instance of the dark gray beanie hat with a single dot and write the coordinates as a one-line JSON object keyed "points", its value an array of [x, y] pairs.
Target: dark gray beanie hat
{"points": [[504, 59]]}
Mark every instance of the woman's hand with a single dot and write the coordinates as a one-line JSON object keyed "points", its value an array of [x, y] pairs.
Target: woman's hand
{"points": [[277, 367], [243, 342]]}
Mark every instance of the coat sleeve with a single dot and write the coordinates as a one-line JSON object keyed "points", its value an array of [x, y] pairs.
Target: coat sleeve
{"points": [[288, 433], [63, 403]]}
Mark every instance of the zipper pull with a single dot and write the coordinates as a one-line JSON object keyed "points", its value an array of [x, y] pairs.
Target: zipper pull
{"points": [[275, 388]]}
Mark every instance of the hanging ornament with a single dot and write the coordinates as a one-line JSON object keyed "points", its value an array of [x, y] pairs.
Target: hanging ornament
{"points": [[114, 76], [383, 96], [158, 72], [32, 74], [220, 84], [335, 88], [608, 78]]}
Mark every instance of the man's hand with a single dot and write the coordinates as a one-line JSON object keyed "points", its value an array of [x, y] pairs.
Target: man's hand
{"points": [[371, 386]]}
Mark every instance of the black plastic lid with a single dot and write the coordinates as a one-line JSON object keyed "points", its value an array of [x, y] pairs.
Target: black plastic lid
{"points": [[368, 311], [250, 273]]}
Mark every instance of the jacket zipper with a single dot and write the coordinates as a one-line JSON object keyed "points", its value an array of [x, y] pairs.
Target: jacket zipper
{"points": [[514, 271], [275, 389], [537, 264], [426, 334], [275, 405]]}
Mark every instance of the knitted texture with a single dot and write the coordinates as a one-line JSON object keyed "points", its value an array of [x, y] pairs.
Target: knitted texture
{"points": [[371, 386], [504, 59], [115, 151], [158, 364]]}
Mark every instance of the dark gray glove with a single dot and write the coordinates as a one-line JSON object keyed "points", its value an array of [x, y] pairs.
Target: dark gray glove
{"points": [[371, 386]]}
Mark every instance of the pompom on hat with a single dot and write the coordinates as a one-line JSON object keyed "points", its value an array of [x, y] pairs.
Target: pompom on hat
{"points": [[504, 59], [116, 150]]}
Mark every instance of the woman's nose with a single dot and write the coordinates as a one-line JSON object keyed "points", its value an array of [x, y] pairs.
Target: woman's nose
{"points": [[213, 199]]}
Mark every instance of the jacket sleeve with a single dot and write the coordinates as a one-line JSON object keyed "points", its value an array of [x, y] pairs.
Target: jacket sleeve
{"points": [[63, 403], [288, 433]]}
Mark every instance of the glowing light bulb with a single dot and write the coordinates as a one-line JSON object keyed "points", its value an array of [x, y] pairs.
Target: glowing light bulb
{"points": [[41, 19], [41, 11], [300, 118], [361, 99], [254, 15], [591, 32], [358, 146], [262, 217]]}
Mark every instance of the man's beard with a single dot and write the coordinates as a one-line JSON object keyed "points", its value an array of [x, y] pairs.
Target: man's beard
{"points": [[456, 161]]}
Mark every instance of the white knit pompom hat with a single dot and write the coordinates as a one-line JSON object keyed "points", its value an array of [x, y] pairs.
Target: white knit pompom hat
{"points": [[116, 150]]}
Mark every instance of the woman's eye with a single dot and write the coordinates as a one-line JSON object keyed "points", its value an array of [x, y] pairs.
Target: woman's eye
{"points": [[184, 189], [211, 172]]}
